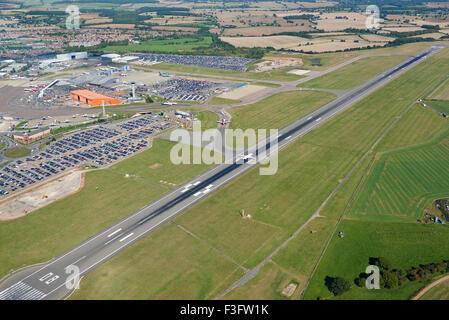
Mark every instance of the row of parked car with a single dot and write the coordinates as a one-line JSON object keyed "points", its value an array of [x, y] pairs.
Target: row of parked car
{"points": [[97, 146]]}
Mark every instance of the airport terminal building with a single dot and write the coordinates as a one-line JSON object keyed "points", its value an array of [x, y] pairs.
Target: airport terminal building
{"points": [[30, 137]]}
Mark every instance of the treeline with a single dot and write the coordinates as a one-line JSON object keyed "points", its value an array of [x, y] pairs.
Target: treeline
{"points": [[390, 278], [107, 1], [393, 278], [301, 17]]}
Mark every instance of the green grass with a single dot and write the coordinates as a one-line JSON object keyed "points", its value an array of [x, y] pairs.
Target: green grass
{"points": [[278, 110], [417, 126], [309, 170], [154, 165], [441, 92], [442, 106], [267, 285], [106, 197], [404, 244], [181, 266], [208, 119], [353, 74], [439, 292], [401, 183], [17, 152], [182, 45], [218, 101]]}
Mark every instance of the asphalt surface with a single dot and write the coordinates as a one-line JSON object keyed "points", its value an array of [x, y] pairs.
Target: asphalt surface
{"points": [[50, 280]]}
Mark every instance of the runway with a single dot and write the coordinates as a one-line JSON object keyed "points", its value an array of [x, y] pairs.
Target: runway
{"points": [[49, 281]]}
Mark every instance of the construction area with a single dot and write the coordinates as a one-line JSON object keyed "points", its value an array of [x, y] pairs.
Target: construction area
{"points": [[39, 197]]}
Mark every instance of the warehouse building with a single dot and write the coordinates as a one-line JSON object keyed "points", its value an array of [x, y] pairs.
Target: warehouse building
{"points": [[30, 137], [92, 98]]}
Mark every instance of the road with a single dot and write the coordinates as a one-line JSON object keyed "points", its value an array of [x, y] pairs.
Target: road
{"points": [[49, 281]]}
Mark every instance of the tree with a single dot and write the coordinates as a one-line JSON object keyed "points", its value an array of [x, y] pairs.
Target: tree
{"points": [[383, 263], [389, 280], [337, 285]]}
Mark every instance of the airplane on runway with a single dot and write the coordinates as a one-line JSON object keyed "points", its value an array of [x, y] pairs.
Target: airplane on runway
{"points": [[223, 122]]}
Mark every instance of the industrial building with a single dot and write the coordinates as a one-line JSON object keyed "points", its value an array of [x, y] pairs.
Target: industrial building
{"points": [[92, 98], [71, 56], [30, 137]]}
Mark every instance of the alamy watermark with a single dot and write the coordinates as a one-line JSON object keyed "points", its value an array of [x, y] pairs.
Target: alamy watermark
{"points": [[73, 20], [372, 22], [373, 280], [227, 146]]}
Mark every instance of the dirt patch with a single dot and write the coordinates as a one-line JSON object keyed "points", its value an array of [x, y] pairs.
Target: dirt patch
{"points": [[156, 165], [55, 190], [241, 92]]}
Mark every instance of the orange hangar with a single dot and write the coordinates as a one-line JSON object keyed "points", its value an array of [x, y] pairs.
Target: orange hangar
{"points": [[92, 98]]}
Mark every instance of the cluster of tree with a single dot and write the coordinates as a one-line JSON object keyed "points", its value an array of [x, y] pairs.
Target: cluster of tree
{"points": [[443, 206], [301, 17], [431, 27], [393, 278], [337, 285]]}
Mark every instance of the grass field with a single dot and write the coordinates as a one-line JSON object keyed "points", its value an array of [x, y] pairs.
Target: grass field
{"points": [[191, 269], [308, 172], [17, 152], [182, 45], [442, 106], [404, 244], [417, 126], [217, 101], [300, 256], [278, 110], [208, 119], [106, 197], [401, 183], [353, 74], [439, 292], [441, 93]]}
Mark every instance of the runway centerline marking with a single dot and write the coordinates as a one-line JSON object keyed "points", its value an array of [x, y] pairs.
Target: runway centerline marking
{"points": [[126, 237], [118, 230]]}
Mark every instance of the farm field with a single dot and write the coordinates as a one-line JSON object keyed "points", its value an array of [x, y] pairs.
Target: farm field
{"points": [[338, 146], [182, 45], [353, 74], [65, 223]]}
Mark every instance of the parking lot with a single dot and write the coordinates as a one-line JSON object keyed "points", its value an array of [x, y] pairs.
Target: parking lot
{"points": [[228, 63], [97, 147], [181, 89]]}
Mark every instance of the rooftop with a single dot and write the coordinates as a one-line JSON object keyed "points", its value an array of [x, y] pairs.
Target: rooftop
{"points": [[89, 94]]}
